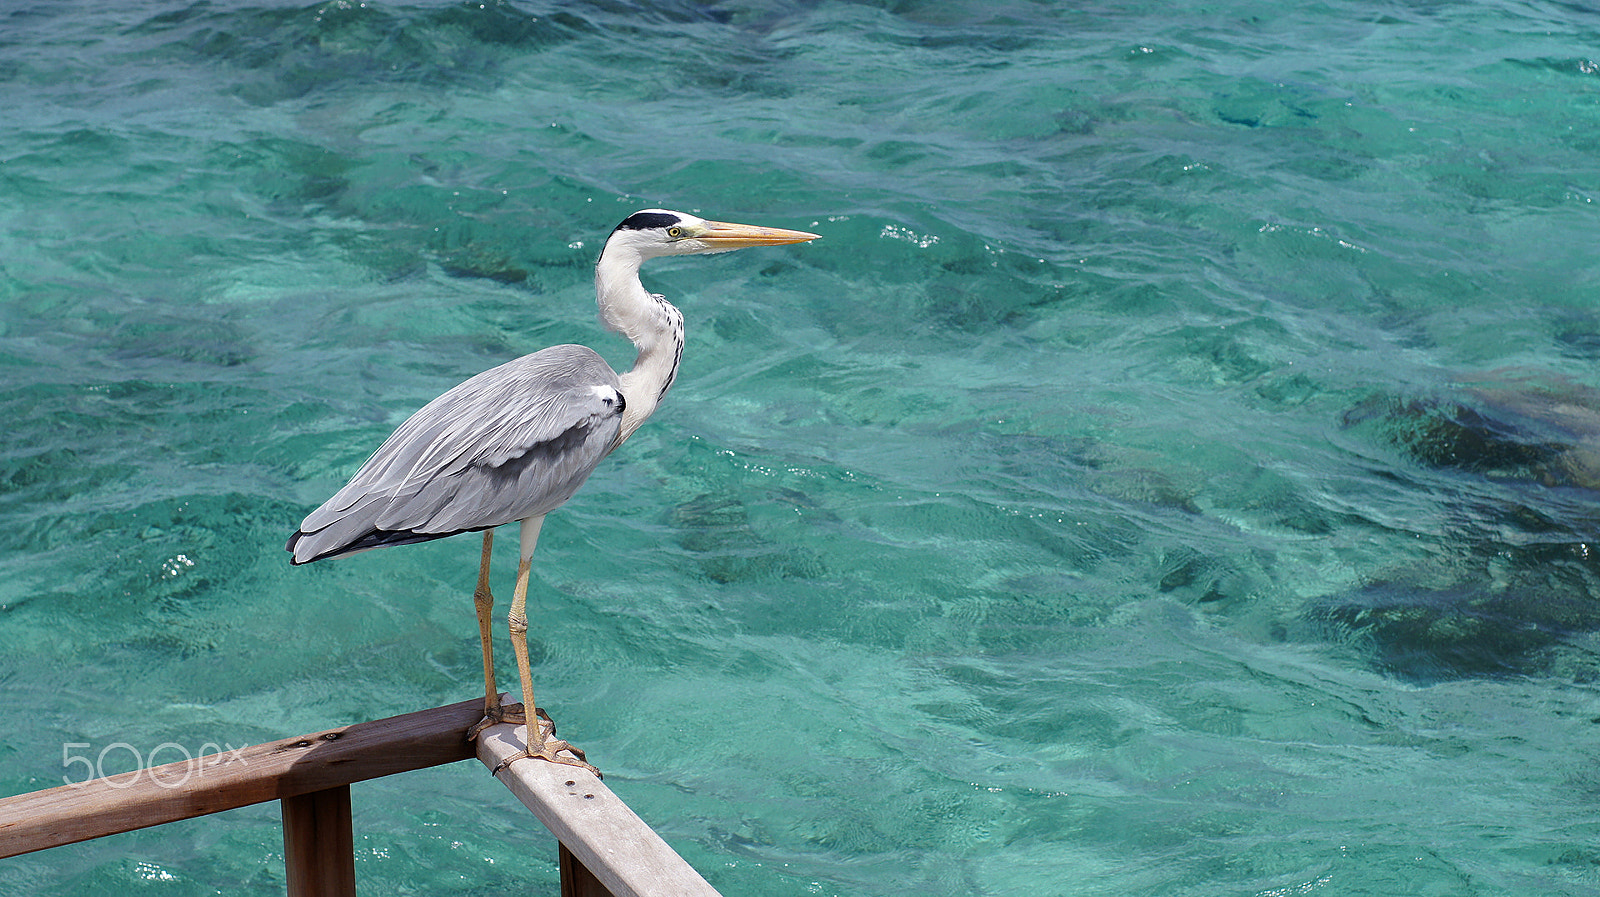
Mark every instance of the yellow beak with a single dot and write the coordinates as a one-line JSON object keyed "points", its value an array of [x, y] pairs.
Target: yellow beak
{"points": [[722, 235]]}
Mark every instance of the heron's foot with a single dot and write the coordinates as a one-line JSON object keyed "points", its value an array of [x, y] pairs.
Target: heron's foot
{"points": [[550, 748], [494, 716]]}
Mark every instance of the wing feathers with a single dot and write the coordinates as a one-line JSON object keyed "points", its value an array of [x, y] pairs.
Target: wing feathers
{"points": [[513, 442]]}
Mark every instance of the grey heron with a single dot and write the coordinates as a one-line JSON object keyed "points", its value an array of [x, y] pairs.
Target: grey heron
{"points": [[515, 442]]}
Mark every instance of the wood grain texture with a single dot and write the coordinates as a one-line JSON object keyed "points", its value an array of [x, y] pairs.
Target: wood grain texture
{"points": [[576, 879], [218, 782], [319, 844], [600, 831]]}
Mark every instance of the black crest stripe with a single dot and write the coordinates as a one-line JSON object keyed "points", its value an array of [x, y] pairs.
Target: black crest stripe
{"points": [[648, 220]]}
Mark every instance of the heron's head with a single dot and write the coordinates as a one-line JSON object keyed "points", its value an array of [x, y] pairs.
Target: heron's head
{"points": [[657, 232]]}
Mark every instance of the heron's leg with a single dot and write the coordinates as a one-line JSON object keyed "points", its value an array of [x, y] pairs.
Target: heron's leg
{"points": [[541, 741], [518, 624], [493, 712]]}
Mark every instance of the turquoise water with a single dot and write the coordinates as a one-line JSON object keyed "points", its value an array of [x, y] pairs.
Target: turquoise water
{"points": [[1175, 472]]}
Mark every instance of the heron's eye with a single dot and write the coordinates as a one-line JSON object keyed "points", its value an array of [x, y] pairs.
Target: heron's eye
{"points": [[674, 232]]}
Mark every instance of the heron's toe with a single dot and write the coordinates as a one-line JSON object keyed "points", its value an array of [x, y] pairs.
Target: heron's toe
{"points": [[551, 749], [494, 716]]}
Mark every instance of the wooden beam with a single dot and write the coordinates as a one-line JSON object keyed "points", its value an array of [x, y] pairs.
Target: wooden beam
{"points": [[602, 834], [319, 844], [217, 782]]}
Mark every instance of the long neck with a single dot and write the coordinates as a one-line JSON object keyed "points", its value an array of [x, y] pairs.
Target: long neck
{"points": [[649, 321]]}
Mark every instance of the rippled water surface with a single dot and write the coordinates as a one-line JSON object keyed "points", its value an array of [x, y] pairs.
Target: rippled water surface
{"points": [[1174, 472]]}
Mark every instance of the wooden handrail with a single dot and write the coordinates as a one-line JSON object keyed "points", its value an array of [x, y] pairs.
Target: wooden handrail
{"points": [[216, 782], [600, 831], [605, 848]]}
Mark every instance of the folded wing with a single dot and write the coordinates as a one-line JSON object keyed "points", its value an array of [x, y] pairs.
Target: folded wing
{"points": [[513, 442]]}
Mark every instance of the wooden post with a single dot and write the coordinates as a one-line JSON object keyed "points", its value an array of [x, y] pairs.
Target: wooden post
{"points": [[319, 844], [576, 879]]}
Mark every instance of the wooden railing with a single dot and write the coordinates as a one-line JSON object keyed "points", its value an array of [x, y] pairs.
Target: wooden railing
{"points": [[605, 848]]}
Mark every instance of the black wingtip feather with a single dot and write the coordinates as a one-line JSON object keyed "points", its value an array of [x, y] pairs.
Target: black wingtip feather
{"points": [[375, 539]]}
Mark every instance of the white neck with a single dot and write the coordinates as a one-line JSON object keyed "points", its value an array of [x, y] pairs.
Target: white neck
{"points": [[649, 321]]}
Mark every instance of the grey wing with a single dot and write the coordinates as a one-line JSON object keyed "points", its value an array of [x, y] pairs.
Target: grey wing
{"points": [[513, 442]]}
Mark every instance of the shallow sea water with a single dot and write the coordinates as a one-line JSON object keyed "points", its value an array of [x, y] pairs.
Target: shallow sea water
{"points": [[1174, 472]]}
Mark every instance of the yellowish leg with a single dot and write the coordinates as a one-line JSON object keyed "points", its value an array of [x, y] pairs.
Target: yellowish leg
{"points": [[541, 741], [493, 712], [518, 623]]}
